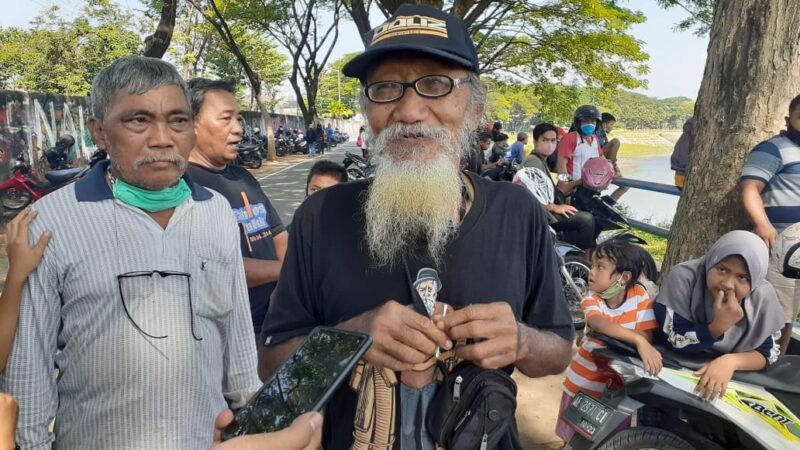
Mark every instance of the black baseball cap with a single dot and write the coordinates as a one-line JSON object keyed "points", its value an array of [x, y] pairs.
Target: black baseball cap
{"points": [[418, 29]]}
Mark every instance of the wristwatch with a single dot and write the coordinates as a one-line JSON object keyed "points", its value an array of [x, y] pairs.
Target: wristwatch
{"points": [[564, 177]]}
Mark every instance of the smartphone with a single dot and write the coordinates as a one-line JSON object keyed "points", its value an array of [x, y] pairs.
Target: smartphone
{"points": [[304, 383]]}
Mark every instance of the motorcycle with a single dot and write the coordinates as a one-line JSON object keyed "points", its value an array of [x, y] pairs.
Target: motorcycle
{"points": [[58, 156], [574, 269], [248, 155], [758, 411], [357, 167], [24, 188]]}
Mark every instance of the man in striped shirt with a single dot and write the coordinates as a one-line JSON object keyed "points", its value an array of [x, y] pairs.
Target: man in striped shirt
{"points": [[140, 301], [770, 186]]}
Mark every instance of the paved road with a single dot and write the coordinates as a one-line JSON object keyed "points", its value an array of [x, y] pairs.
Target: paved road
{"points": [[286, 188]]}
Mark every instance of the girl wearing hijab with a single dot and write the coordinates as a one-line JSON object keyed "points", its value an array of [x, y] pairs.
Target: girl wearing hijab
{"points": [[722, 302]]}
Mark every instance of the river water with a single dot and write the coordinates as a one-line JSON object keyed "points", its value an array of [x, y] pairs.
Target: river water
{"points": [[647, 206]]}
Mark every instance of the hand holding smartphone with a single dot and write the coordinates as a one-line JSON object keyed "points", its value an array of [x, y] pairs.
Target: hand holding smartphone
{"points": [[304, 383]]}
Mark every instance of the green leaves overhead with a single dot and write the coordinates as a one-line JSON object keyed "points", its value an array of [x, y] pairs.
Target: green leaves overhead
{"points": [[331, 83], [701, 13], [61, 56]]}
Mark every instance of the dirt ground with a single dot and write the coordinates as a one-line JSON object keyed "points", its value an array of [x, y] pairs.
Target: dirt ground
{"points": [[537, 399]]}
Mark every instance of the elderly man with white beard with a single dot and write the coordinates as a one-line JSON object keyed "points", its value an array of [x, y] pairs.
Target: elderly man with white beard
{"points": [[353, 247]]}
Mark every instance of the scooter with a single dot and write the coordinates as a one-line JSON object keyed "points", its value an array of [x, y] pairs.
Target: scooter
{"points": [[248, 155], [58, 156], [357, 167], [24, 188], [758, 411]]}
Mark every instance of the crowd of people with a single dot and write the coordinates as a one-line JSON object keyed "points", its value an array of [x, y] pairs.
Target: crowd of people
{"points": [[163, 287]]}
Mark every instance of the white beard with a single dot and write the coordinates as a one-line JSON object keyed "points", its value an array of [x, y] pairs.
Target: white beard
{"points": [[413, 202]]}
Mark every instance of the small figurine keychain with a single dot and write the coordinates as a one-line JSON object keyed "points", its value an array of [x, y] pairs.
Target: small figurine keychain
{"points": [[428, 286]]}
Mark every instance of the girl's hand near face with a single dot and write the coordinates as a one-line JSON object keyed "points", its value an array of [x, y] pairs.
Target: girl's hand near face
{"points": [[727, 312]]}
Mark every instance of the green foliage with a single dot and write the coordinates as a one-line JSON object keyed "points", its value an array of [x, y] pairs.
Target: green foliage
{"points": [[701, 13], [331, 83], [61, 56], [522, 106], [640, 111]]}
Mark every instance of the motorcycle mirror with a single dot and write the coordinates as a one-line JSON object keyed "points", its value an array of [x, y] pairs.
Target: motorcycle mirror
{"points": [[791, 262]]}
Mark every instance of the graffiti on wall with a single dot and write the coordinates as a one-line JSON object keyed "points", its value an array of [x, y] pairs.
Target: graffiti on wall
{"points": [[30, 123]]}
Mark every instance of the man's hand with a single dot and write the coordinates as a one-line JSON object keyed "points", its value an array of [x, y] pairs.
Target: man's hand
{"points": [[8, 420], [22, 257], [305, 433], [564, 210], [727, 311], [496, 327], [651, 358], [401, 337], [714, 378], [767, 233]]}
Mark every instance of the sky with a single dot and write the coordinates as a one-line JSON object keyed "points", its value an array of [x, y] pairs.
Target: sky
{"points": [[677, 59]]}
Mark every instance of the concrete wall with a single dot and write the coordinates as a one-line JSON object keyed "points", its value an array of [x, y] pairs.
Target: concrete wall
{"points": [[32, 122]]}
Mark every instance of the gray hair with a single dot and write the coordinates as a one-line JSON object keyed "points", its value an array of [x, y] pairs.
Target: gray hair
{"points": [[134, 75], [477, 98]]}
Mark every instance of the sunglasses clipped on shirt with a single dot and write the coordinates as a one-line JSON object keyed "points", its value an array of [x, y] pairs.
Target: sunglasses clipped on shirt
{"points": [[429, 86], [163, 274]]}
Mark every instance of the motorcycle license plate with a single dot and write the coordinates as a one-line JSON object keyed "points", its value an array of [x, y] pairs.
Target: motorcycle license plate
{"points": [[588, 415]]}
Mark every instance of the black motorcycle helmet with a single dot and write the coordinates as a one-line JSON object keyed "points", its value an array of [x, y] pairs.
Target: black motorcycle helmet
{"points": [[585, 112]]}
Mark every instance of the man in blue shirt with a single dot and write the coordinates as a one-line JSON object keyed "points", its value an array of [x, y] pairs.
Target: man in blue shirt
{"points": [[517, 152]]}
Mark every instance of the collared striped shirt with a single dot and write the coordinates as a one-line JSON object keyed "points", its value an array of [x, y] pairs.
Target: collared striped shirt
{"points": [[117, 388], [635, 313], [776, 163]]}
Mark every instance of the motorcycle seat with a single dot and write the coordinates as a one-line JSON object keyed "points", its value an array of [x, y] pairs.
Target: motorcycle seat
{"points": [[355, 157], [62, 176], [783, 375], [247, 147]]}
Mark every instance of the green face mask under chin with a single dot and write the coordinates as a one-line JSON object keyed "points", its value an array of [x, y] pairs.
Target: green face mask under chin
{"points": [[613, 290], [152, 201]]}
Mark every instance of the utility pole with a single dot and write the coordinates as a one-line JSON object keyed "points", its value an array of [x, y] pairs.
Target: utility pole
{"points": [[339, 84]]}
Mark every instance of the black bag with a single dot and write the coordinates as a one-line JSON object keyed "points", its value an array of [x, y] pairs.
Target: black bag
{"points": [[472, 408]]}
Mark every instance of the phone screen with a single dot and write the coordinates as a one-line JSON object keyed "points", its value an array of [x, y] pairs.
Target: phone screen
{"points": [[304, 383]]}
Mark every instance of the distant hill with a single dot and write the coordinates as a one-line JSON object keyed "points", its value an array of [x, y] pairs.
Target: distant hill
{"points": [[638, 111]]}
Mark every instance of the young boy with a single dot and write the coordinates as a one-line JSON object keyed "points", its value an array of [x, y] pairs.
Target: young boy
{"points": [[617, 306], [324, 174]]}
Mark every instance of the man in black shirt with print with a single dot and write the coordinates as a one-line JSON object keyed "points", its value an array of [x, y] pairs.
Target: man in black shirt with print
{"points": [[354, 248], [263, 237]]}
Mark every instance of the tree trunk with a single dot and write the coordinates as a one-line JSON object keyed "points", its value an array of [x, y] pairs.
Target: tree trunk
{"points": [[751, 75], [157, 43], [358, 11], [267, 119]]}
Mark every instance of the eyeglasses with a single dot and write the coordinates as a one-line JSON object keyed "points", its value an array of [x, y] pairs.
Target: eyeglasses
{"points": [[429, 86], [162, 274]]}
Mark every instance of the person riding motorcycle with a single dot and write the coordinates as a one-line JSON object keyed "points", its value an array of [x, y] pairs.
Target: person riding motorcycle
{"points": [[575, 227], [577, 147]]}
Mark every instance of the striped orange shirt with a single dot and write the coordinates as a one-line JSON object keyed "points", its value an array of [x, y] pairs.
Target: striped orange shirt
{"points": [[635, 313]]}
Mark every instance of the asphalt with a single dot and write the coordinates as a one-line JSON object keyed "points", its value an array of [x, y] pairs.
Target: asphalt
{"points": [[286, 187]]}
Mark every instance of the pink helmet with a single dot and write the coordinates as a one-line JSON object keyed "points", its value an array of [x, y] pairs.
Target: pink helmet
{"points": [[597, 173]]}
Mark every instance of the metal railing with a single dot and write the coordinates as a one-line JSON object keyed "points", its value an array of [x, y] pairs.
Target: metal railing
{"points": [[647, 186]]}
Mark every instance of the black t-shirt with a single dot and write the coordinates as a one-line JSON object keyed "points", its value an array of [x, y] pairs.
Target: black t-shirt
{"points": [[261, 222], [503, 251]]}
